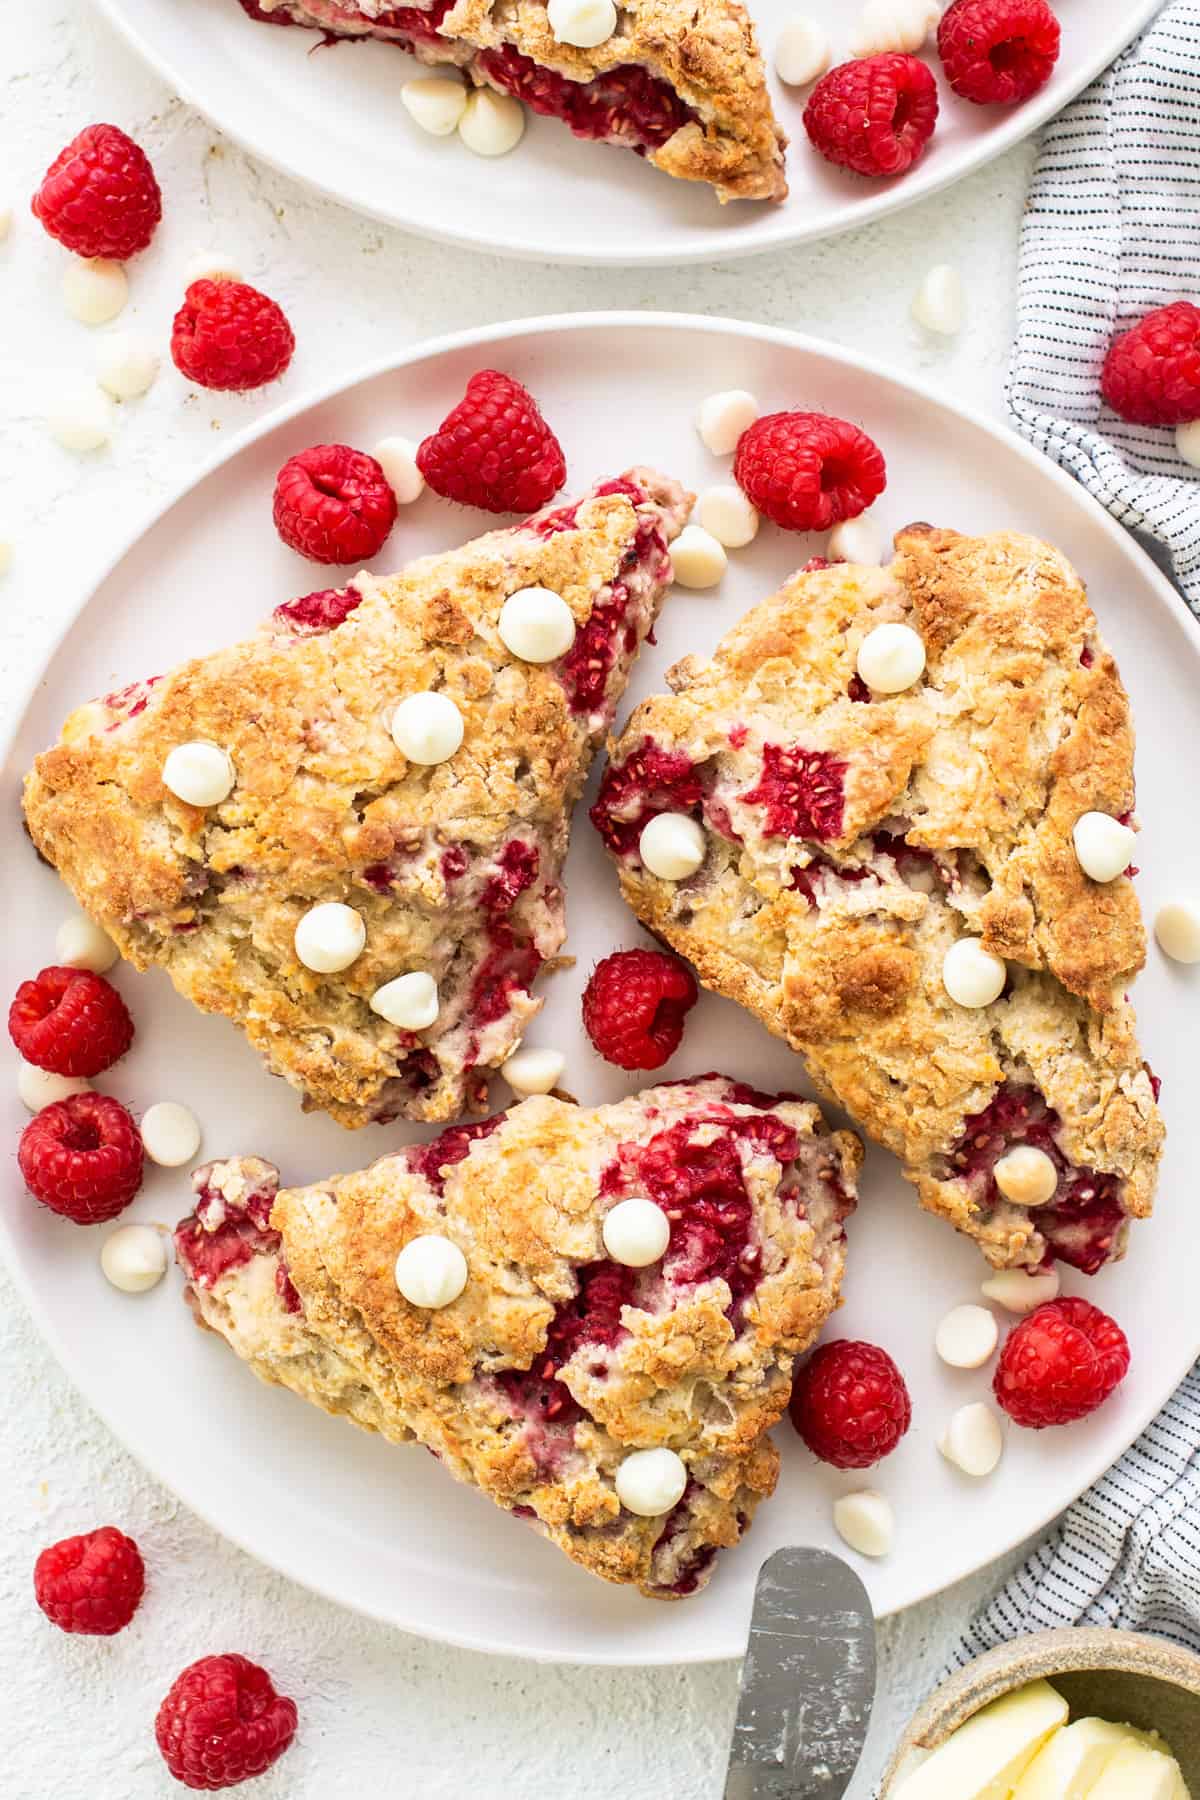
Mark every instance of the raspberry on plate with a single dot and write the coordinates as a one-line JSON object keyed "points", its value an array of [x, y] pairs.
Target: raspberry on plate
{"points": [[228, 336], [998, 52], [90, 1584], [333, 504], [808, 471], [850, 1404], [1152, 371], [70, 1022], [99, 196], [82, 1157], [494, 450], [222, 1722], [1060, 1364], [874, 115], [634, 1006]]}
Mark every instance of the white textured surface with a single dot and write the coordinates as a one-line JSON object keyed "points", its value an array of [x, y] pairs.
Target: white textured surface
{"points": [[380, 1713]]}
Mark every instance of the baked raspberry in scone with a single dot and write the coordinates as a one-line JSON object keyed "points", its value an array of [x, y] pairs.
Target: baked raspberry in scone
{"points": [[681, 85], [852, 836], [555, 1363], [452, 868]]}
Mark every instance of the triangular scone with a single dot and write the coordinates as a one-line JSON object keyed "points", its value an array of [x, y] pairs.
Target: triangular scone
{"points": [[555, 1363], [681, 84], [852, 838], [453, 868]]}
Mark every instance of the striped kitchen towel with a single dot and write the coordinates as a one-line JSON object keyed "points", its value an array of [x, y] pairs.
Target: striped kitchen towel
{"points": [[1112, 229]]}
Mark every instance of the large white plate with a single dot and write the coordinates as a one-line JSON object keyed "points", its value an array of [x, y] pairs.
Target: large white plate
{"points": [[333, 118], [381, 1528]]}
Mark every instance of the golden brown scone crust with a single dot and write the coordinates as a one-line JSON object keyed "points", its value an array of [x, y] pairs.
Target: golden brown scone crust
{"points": [[1019, 725], [454, 868], [706, 50], [688, 1367]]}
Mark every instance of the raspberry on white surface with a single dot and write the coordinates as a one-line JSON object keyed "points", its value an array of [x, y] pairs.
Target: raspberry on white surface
{"points": [[532, 1071], [583, 23], [1103, 845], [971, 975], [894, 25], [967, 1336], [39, 1087], [973, 1440], [79, 943], [134, 1258], [81, 417], [1187, 442], [492, 124], [1018, 1292], [95, 290], [865, 1521], [726, 513], [435, 103], [891, 658], [1177, 929], [211, 265], [330, 937], [410, 1002], [126, 365], [199, 774], [1026, 1175], [650, 1482], [698, 560], [672, 846], [722, 418], [856, 541], [427, 728], [802, 51], [636, 1232], [536, 625], [397, 457], [431, 1271], [938, 302], [170, 1134]]}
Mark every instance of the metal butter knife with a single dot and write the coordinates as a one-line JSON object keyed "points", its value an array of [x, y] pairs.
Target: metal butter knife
{"points": [[808, 1681]]}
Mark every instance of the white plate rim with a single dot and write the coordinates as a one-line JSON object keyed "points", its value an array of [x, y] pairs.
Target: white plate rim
{"points": [[1089, 1470], [778, 234]]}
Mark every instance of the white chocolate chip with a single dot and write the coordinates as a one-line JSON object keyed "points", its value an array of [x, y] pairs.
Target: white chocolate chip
{"points": [[967, 1336], [431, 1271], [1018, 1292], [1177, 928], [211, 265], [864, 1521], [536, 625], [79, 943], [530, 1071], [5, 222], [672, 846], [200, 774], [6, 555], [427, 728], [397, 457], [1103, 845], [410, 1002], [938, 302], [894, 25], [134, 1258], [722, 418], [890, 658], [584, 23], [728, 515], [81, 417], [973, 1440], [1026, 1175], [1187, 442], [94, 289], [170, 1134], [857, 541], [39, 1087], [330, 937], [651, 1482], [434, 103], [126, 366], [971, 975], [802, 51], [492, 124], [636, 1232], [697, 559]]}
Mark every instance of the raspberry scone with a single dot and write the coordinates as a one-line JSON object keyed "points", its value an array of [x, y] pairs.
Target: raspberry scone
{"points": [[681, 85], [372, 921], [566, 1344], [852, 836]]}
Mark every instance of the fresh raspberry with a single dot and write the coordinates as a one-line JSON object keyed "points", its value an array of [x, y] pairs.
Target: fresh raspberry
{"points": [[850, 1404], [227, 335], [99, 196], [807, 471], [634, 1006], [82, 1157], [998, 52], [1060, 1364], [70, 1022], [874, 115], [494, 449], [223, 1722], [90, 1584], [333, 504], [1152, 371]]}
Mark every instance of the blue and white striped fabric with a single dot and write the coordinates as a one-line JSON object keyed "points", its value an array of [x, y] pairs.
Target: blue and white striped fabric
{"points": [[1112, 229]]}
